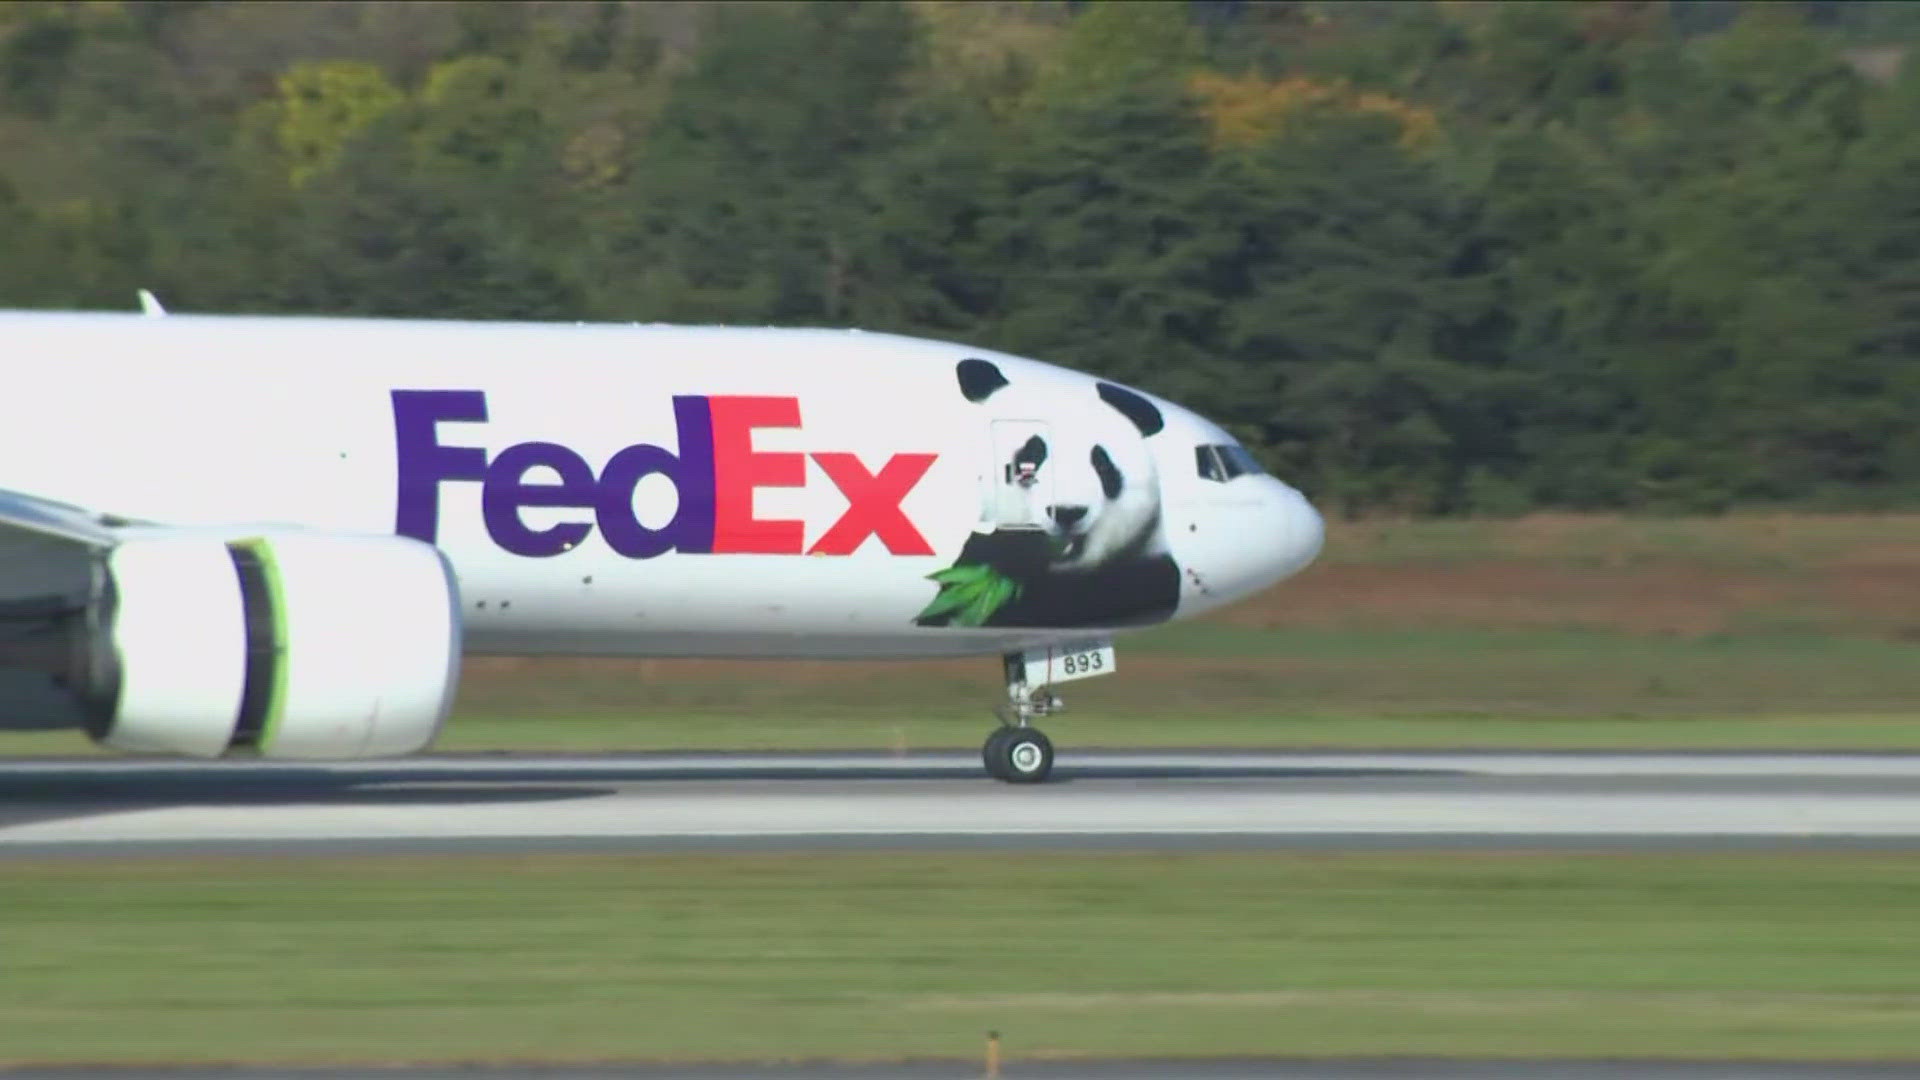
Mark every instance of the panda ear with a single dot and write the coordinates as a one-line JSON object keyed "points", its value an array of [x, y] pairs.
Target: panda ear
{"points": [[979, 378], [1144, 414]]}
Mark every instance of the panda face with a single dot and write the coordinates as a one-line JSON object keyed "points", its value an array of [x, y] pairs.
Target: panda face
{"points": [[1103, 501], [1105, 490]]}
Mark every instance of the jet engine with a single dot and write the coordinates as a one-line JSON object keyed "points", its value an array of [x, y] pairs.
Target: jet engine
{"points": [[284, 644]]}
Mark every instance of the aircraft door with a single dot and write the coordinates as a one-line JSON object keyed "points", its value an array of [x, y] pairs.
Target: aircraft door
{"points": [[1022, 484]]}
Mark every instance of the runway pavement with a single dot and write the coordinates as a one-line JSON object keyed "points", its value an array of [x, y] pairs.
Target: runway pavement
{"points": [[1100, 799]]}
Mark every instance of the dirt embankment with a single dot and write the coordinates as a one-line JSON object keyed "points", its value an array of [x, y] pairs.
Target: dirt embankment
{"points": [[1676, 597]]}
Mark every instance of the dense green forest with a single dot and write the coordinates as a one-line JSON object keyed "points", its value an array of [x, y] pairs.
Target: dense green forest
{"points": [[1425, 257]]}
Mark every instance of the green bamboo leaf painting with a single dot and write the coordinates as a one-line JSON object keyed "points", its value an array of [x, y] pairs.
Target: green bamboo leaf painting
{"points": [[944, 602], [960, 575], [969, 595]]}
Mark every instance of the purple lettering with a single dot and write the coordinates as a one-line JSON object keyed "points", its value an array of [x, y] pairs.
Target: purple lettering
{"points": [[422, 463], [691, 472], [714, 472], [507, 492]]}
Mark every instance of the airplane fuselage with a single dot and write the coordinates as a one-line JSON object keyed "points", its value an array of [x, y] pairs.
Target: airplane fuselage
{"points": [[664, 491]]}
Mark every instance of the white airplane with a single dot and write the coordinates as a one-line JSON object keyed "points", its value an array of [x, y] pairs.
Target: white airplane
{"points": [[277, 536]]}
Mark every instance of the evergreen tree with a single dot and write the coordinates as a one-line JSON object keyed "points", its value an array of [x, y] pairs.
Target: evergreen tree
{"points": [[1426, 257]]}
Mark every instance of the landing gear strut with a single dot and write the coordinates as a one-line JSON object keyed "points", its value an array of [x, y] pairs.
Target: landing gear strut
{"points": [[1017, 752]]}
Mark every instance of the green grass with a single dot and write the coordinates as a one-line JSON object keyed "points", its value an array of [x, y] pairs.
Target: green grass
{"points": [[742, 733], [1206, 684], [1318, 733], [1745, 631], [881, 956]]}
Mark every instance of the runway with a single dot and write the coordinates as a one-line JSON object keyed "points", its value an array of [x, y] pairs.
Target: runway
{"points": [[1200, 799]]}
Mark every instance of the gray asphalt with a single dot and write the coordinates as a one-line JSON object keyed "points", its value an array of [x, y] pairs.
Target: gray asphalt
{"points": [[1567, 801]]}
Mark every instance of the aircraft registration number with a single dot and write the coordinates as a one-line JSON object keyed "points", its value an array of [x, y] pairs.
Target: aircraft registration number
{"points": [[1065, 663]]}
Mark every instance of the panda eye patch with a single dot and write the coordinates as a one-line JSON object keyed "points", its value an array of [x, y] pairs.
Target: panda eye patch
{"points": [[1033, 452], [1111, 481]]}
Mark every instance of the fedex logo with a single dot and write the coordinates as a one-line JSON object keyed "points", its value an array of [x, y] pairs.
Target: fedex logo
{"points": [[714, 468]]}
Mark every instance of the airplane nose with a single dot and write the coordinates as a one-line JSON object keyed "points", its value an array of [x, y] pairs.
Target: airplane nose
{"points": [[1302, 531], [1264, 531]]}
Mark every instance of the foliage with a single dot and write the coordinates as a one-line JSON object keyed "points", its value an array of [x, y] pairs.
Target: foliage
{"points": [[319, 107], [1249, 111], [1425, 257]]}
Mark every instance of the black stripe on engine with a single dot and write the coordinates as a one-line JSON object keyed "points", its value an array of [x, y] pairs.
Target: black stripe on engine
{"points": [[256, 694]]}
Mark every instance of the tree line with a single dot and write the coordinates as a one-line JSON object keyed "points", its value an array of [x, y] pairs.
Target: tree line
{"points": [[1429, 258]]}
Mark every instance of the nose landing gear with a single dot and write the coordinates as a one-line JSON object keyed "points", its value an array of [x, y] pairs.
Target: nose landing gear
{"points": [[1017, 752]]}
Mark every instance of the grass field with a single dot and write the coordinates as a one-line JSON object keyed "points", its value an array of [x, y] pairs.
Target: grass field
{"points": [[1757, 630], [1216, 684], [1740, 632], [1553, 631], [881, 956]]}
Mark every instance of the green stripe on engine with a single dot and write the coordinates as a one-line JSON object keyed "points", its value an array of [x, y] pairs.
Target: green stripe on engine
{"points": [[262, 549]]}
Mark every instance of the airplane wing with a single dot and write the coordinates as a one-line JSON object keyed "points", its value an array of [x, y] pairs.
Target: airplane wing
{"points": [[42, 517], [47, 552]]}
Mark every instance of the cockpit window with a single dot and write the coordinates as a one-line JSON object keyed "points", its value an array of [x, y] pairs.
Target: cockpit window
{"points": [[1221, 463], [1240, 461]]}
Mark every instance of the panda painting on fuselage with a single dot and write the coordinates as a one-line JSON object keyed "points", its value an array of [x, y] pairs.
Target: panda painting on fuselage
{"points": [[1071, 535]]}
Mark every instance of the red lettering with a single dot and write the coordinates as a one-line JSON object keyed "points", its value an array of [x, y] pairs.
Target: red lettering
{"points": [[873, 504], [738, 470]]}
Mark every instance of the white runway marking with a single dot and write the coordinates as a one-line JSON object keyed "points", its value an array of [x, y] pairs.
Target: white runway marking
{"points": [[1006, 814]]}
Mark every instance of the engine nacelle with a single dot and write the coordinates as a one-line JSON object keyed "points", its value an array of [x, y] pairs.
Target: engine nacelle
{"points": [[288, 644]]}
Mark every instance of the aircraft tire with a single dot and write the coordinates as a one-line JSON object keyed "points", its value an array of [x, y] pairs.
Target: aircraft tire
{"points": [[1018, 755], [993, 754]]}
